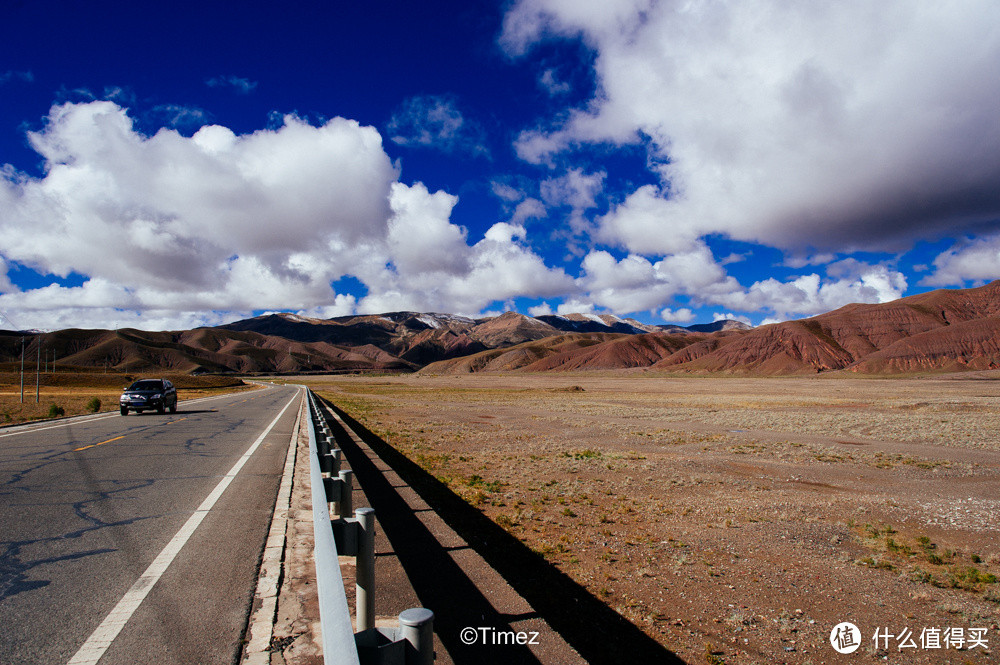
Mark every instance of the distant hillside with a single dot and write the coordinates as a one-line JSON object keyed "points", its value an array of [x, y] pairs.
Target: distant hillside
{"points": [[193, 351], [944, 330], [422, 339], [287, 343]]}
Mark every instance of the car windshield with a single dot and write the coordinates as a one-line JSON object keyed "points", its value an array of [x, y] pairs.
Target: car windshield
{"points": [[146, 385]]}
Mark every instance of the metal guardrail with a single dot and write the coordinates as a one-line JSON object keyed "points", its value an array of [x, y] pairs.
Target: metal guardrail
{"points": [[412, 643]]}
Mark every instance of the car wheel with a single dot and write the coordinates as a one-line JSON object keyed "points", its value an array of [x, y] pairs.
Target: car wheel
{"points": [[173, 408], [124, 410]]}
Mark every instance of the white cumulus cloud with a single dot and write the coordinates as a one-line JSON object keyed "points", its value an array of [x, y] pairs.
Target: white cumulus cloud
{"points": [[421, 237], [681, 315], [176, 231], [637, 284], [844, 126], [969, 259], [809, 295]]}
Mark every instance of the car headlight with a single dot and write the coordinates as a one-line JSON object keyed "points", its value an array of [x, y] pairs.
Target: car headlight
{"points": [[157, 396]]}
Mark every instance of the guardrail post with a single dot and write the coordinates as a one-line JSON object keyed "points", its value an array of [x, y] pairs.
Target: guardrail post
{"points": [[365, 571], [330, 462], [416, 626], [331, 489], [345, 504]]}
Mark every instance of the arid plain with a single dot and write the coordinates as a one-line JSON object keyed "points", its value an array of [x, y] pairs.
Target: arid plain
{"points": [[735, 520]]}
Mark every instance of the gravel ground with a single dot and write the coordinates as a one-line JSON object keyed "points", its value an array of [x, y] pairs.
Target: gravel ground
{"points": [[734, 520]]}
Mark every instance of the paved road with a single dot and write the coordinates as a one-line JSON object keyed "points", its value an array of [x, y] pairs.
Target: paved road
{"points": [[87, 505]]}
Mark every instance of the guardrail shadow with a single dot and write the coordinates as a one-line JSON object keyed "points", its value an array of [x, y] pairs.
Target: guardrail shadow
{"points": [[598, 633], [440, 584]]}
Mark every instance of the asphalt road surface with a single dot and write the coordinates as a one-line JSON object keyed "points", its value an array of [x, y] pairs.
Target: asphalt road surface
{"points": [[88, 504]]}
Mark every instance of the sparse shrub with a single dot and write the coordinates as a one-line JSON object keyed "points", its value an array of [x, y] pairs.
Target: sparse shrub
{"points": [[880, 564], [712, 656], [55, 411], [506, 521], [898, 548], [547, 549], [970, 578], [94, 404]]}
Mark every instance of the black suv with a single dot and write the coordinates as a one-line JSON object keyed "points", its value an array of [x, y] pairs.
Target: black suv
{"points": [[144, 394]]}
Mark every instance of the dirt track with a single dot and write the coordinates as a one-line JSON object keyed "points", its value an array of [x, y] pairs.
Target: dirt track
{"points": [[735, 520]]}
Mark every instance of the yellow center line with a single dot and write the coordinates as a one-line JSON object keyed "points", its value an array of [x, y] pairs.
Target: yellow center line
{"points": [[94, 445]]}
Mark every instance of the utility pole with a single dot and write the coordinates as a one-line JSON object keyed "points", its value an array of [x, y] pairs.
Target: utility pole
{"points": [[4, 316], [38, 367]]}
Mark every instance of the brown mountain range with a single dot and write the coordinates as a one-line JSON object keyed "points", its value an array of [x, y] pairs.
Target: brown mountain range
{"points": [[202, 350], [945, 330]]}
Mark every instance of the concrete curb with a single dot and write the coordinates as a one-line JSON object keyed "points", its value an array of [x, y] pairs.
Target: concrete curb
{"points": [[261, 624]]}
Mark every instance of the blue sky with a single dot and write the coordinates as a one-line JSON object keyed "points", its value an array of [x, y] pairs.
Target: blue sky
{"points": [[179, 164]]}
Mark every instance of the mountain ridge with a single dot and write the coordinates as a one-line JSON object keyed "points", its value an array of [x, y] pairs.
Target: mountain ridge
{"points": [[937, 331]]}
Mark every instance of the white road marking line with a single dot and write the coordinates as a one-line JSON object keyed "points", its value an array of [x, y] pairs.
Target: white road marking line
{"points": [[105, 634]]}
